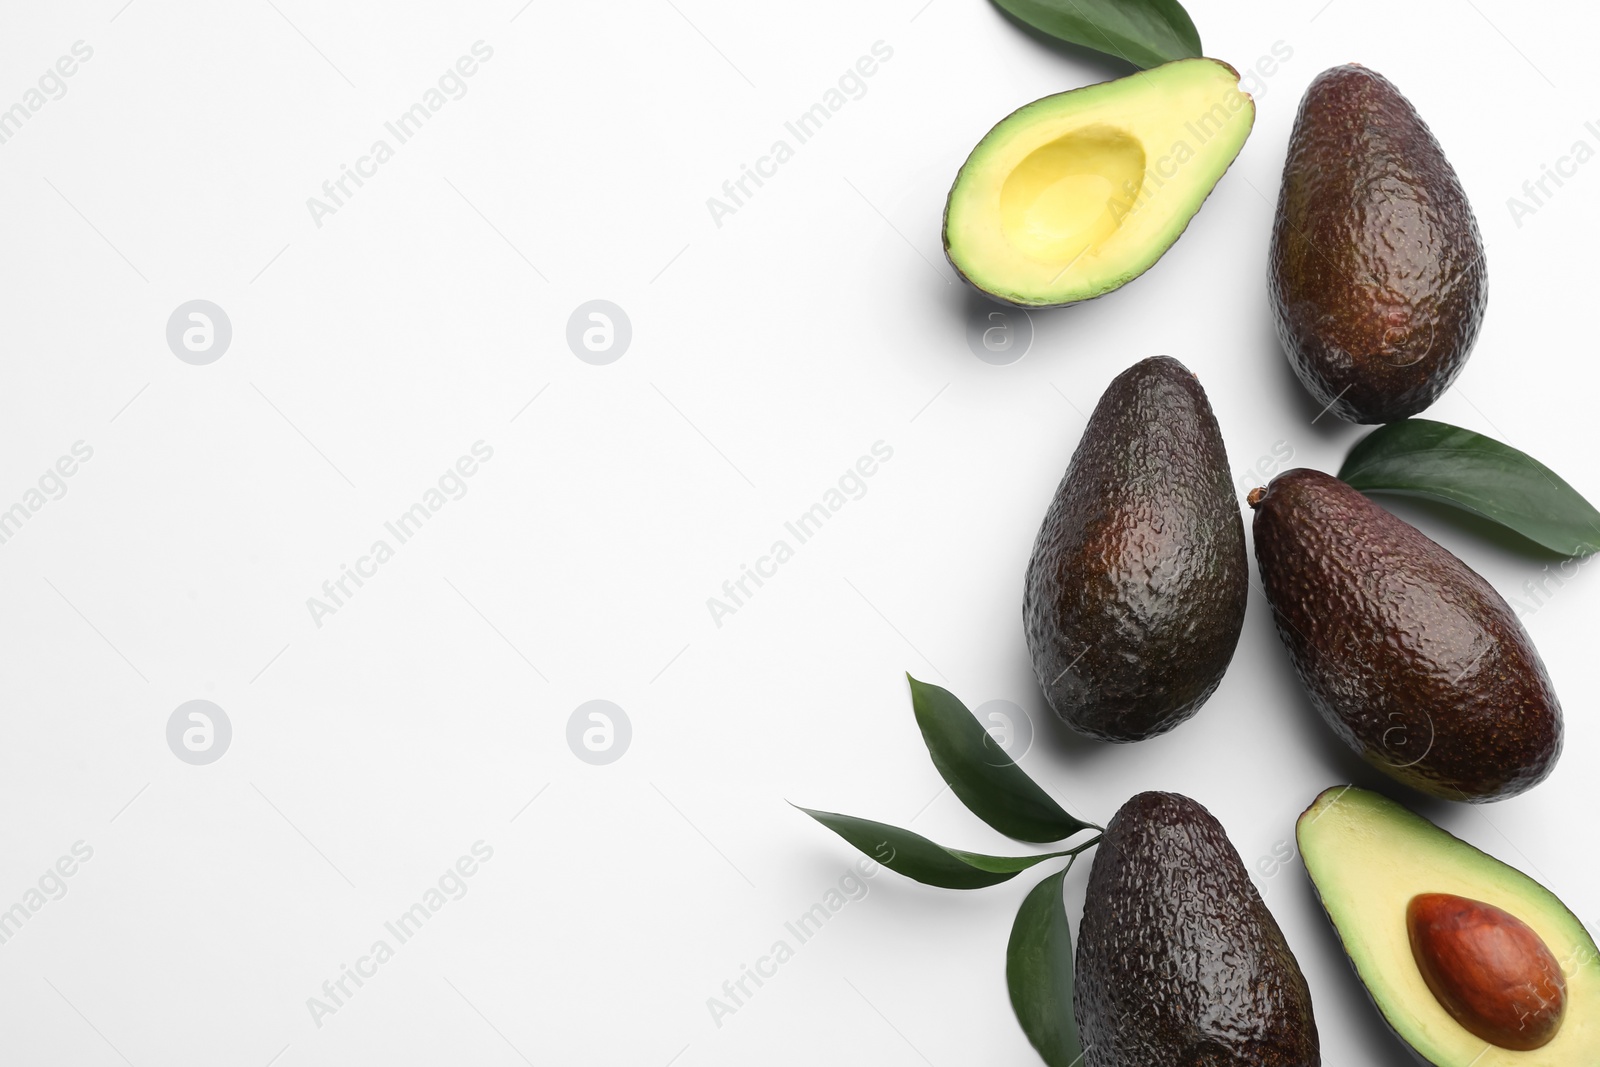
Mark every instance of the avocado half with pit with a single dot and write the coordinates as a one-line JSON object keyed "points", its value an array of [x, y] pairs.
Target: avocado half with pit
{"points": [[1079, 193], [1471, 962]]}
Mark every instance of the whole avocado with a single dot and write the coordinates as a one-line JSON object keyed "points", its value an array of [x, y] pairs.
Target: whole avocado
{"points": [[1136, 590], [1411, 657], [1376, 268], [1180, 964]]}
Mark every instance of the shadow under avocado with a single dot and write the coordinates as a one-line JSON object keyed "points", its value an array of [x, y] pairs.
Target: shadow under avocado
{"points": [[1344, 766], [1297, 398], [1050, 733], [1338, 763], [997, 334], [974, 313], [1060, 738], [1312, 733]]}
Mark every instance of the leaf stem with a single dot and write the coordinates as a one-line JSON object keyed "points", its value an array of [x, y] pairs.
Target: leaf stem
{"points": [[1093, 841]]}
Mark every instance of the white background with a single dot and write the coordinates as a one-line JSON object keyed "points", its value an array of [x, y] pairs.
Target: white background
{"points": [[768, 354]]}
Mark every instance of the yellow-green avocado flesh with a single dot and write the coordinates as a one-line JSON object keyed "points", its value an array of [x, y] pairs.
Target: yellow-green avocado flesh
{"points": [[1368, 857], [1079, 193]]}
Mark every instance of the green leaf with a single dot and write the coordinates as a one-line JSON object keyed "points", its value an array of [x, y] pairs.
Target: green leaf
{"points": [[1146, 33], [1441, 462], [982, 775], [1039, 973], [916, 857]]}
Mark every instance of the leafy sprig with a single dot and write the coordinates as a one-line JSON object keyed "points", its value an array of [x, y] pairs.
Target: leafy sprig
{"points": [[988, 781], [1145, 33], [1437, 461]]}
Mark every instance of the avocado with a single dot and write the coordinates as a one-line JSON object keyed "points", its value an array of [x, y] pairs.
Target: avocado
{"points": [[1470, 962], [1411, 657], [1079, 193], [1136, 590], [1180, 964], [1376, 268]]}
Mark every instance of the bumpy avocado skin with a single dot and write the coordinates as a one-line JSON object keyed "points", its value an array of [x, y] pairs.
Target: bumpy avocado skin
{"points": [[1135, 594], [1411, 657], [1376, 268], [1180, 964]]}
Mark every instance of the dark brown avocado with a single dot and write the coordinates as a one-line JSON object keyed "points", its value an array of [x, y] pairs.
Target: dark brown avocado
{"points": [[1376, 269], [1136, 591], [1180, 964], [1411, 657]]}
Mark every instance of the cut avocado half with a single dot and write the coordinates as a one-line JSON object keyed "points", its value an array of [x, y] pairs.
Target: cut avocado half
{"points": [[1079, 193], [1371, 860]]}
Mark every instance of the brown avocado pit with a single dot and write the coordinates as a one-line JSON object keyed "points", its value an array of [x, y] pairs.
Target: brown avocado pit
{"points": [[1489, 969]]}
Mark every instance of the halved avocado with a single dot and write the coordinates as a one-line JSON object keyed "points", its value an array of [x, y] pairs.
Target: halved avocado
{"points": [[1079, 193], [1372, 859]]}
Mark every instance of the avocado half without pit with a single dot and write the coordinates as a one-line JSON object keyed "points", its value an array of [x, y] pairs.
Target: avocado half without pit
{"points": [[1470, 961], [1079, 193]]}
